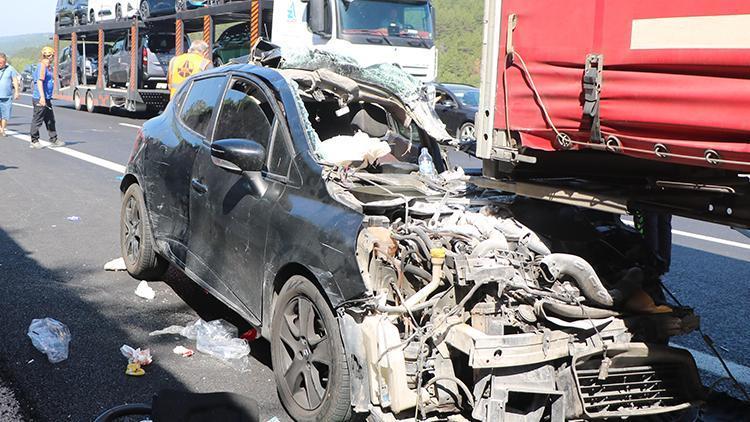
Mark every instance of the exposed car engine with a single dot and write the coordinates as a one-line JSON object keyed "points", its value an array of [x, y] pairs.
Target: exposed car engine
{"points": [[475, 309]]}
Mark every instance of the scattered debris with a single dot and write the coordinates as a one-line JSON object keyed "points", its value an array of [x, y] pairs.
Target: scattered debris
{"points": [[344, 150], [115, 265], [145, 291], [134, 370], [137, 358], [217, 338], [183, 351], [73, 218], [249, 335], [141, 357], [50, 337]]}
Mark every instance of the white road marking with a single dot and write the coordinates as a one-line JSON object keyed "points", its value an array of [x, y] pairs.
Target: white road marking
{"points": [[711, 364], [22, 105], [73, 153], [702, 237], [130, 125]]}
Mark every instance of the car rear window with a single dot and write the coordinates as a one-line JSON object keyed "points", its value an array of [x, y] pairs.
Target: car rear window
{"points": [[161, 43]]}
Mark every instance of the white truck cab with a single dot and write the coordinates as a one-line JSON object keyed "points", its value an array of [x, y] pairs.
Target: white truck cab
{"points": [[401, 32]]}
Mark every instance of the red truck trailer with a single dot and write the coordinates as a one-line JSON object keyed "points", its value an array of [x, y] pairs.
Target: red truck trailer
{"points": [[620, 104]]}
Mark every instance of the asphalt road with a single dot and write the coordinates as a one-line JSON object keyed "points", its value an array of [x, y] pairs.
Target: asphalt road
{"points": [[50, 266]]}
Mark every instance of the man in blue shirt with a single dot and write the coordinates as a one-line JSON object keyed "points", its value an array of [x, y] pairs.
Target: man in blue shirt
{"points": [[44, 87], [9, 91]]}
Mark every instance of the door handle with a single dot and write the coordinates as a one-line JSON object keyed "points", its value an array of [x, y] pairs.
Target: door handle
{"points": [[198, 186]]}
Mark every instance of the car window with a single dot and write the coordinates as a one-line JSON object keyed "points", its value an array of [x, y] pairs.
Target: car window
{"points": [[443, 98], [161, 43], [245, 114], [199, 105], [280, 158]]}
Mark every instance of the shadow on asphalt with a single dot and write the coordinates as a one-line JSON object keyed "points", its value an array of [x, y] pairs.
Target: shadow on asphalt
{"points": [[92, 377]]}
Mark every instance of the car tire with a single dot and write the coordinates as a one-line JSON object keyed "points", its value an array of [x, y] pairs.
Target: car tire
{"points": [[118, 12], [180, 6], [76, 20], [92, 17], [315, 354], [145, 9], [77, 104], [467, 132], [136, 240]]}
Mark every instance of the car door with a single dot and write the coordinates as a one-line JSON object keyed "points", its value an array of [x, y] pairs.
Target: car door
{"points": [[230, 210], [169, 160]]}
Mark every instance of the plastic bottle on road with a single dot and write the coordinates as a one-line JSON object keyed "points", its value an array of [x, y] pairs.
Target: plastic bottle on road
{"points": [[426, 166]]}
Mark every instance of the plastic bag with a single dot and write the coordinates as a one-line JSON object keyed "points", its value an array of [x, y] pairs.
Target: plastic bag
{"points": [[217, 338], [141, 357], [50, 337]]}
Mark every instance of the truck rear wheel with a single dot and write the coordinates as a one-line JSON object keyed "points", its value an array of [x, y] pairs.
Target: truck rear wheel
{"points": [[309, 363], [77, 101], [90, 106]]}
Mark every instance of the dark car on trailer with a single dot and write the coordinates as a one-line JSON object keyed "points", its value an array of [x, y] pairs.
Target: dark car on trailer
{"points": [[71, 12]]}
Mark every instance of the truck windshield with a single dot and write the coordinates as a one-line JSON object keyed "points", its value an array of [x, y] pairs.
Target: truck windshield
{"points": [[385, 18]]}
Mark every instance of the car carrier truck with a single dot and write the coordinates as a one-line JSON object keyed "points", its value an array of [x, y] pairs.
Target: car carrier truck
{"points": [[361, 29], [619, 105]]}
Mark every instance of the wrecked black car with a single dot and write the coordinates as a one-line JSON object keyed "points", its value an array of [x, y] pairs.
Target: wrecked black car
{"points": [[292, 193]]}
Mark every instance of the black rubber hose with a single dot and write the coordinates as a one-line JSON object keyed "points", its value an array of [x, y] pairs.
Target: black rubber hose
{"points": [[419, 272]]}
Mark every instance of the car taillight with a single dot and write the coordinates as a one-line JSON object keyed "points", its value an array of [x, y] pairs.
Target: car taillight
{"points": [[144, 55], [136, 145]]}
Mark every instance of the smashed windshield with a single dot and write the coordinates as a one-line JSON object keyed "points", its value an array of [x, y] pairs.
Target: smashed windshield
{"points": [[400, 19]]}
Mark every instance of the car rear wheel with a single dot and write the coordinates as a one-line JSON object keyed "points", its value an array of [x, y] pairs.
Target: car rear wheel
{"points": [[136, 240], [467, 132], [180, 5], [118, 12], [309, 363], [92, 16], [145, 9], [77, 101], [76, 20]]}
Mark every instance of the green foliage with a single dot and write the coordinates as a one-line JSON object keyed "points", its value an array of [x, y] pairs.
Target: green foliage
{"points": [[23, 50], [459, 40]]}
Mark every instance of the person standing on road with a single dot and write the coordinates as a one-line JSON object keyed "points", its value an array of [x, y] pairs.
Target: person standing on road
{"points": [[10, 90], [44, 87], [185, 65]]}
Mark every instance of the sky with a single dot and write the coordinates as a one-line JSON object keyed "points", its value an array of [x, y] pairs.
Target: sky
{"points": [[27, 16]]}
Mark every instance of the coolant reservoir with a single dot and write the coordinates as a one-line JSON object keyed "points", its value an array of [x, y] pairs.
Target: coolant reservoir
{"points": [[388, 382]]}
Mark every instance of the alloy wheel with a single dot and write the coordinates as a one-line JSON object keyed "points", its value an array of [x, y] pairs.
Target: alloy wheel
{"points": [[133, 230], [145, 10], [468, 133], [306, 358]]}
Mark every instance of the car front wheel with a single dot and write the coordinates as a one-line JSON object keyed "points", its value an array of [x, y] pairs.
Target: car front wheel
{"points": [[309, 363], [136, 241]]}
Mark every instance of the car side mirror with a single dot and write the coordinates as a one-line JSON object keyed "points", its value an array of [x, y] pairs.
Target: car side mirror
{"points": [[317, 19], [238, 155]]}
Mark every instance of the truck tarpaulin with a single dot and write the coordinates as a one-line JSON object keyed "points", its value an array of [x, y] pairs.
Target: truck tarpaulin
{"points": [[666, 80]]}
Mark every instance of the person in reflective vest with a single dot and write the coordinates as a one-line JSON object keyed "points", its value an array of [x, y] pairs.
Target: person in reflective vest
{"points": [[185, 65]]}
